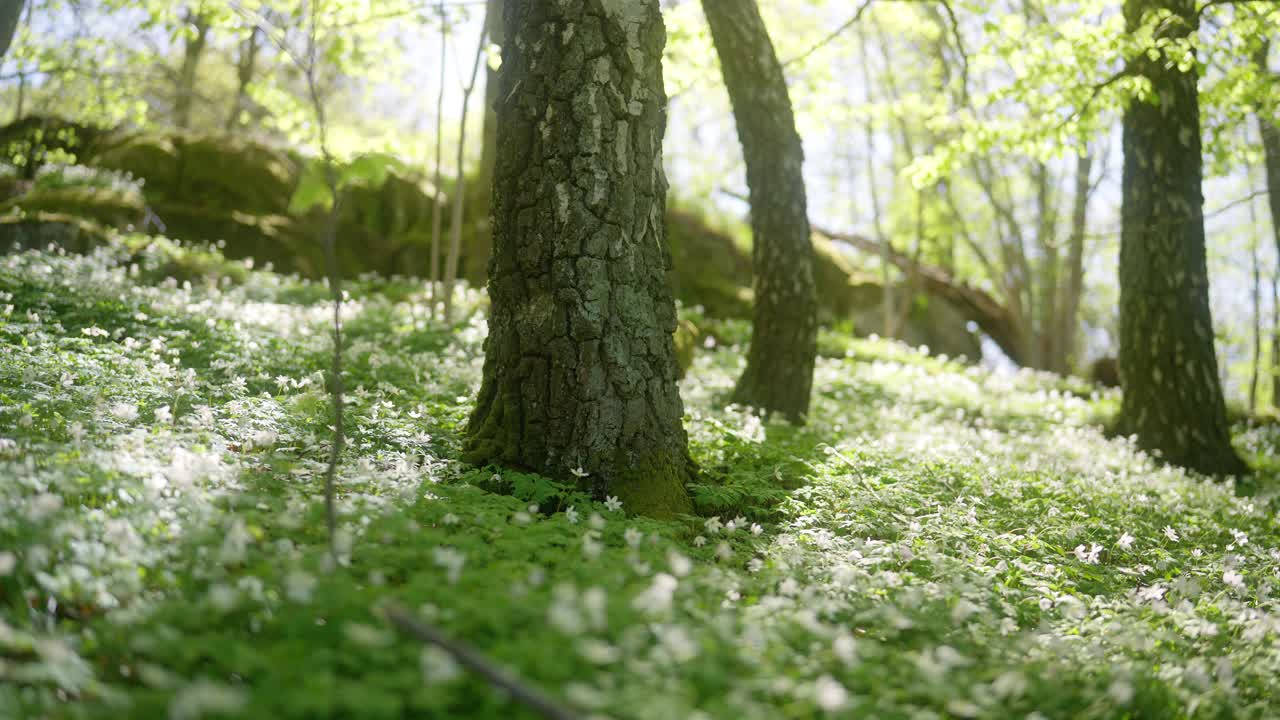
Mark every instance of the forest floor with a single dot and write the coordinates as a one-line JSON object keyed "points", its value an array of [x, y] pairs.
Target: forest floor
{"points": [[938, 541]]}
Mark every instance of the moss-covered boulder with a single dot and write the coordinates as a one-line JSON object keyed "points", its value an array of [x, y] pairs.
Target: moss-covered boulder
{"points": [[24, 231], [220, 172], [148, 157], [709, 266], [111, 207], [32, 141]]}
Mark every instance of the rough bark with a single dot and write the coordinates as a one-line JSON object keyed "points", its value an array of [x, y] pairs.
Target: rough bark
{"points": [[779, 373], [191, 56], [1173, 400], [1069, 307], [10, 13], [580, 367]]}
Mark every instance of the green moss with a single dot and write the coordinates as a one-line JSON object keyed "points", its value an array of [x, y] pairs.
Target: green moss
{"points": [[25, 230], [234, 174], [109, 207], [654, 487], [152, 158]]}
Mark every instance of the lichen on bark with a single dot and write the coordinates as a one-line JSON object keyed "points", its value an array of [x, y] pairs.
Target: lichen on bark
{"points": [[580, 368]]}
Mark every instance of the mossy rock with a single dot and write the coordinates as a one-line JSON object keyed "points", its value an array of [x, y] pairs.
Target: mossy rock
{"points": [[121, 209], [24, 231], [150, 158], [838, 282], [28, 142], [231, 173], [708, 266], [266, 238]]}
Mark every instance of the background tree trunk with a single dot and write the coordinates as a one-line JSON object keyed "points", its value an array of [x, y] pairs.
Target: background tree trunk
{"points": [[1050, 262], [579, 367], [437, 182], [869, 148], [10, 13], [1173, 400], [779, 372], [1271, 152], [246, 65], [481, 246], [1069, 308], [460, 188], [191, 55]]}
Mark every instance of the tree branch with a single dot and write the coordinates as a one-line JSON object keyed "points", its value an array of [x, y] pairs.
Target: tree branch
{"points": [[471, 659]]}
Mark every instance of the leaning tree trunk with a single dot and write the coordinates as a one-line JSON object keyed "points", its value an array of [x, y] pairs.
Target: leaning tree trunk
{"points": [[779, 373], [10, 14], [580, 370], [1172, 397]]}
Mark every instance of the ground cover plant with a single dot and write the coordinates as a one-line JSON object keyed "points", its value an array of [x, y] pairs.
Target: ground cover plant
{"points": [[938, 541]]}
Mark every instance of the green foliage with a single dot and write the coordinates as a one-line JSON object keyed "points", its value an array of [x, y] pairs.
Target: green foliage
{"points": [[937, 540], [314, 186]]}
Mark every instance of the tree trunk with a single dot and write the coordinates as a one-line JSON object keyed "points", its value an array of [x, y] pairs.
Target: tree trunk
{"points": [[1050, 263], [1069, 307], [245, 68], [779, 373], [10, 13], [1255, 365], [1271, 151], [481, 246], [1173, 399], [995, 319], [191, 55], [1275, 341], [580, 370], [6, 36], [437, 187], [460, 187], [886, 286]]}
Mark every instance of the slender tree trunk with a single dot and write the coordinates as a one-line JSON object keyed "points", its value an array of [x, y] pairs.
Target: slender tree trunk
{"points": [[245, 68], [580, 370], [194, 50], [10, 14], [1271, 152], [20, 106], [1256, 364], [481, 246], [779, 373], [1275, 340], [1050, 268], [1069, 307], [437, 184], [886, 263], [1173, 399], [460, 186]]}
